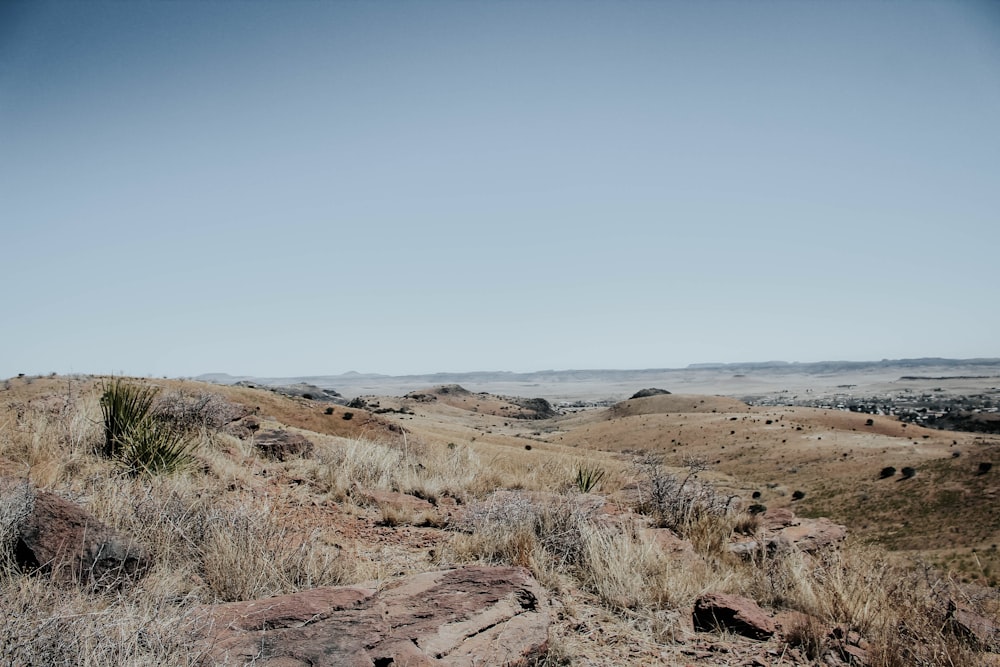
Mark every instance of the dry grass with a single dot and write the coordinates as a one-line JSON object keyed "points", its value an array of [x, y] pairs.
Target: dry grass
{"points": [[225, 531]]}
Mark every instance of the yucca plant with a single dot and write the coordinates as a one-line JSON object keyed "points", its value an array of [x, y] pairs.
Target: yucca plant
{"points": [[588, 477], [125, 407], [136, 441], [152, 448]]}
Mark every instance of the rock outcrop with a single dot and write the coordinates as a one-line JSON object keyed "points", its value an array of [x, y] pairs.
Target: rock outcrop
{"points": [[720, 612], [461, 617], [64, 541], [783, 530]]}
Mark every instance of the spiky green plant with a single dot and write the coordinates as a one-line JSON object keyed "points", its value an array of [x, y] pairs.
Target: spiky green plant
{"points": [[125, 407], [152, 448], [138, 443], [588, 477]]}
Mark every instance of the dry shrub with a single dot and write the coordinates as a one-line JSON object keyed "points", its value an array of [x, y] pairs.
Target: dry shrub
{"points": [[248, 555], [50, 439], [426, 472], [43, 624], [680, 503]]}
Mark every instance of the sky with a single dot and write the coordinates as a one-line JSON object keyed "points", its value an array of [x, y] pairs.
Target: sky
{"points": [[308, 187]]}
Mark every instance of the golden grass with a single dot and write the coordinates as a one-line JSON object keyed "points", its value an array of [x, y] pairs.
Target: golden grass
{"points": [[231, 530]]}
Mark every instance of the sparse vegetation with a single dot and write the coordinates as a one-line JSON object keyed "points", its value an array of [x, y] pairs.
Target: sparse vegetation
{"points": [[238, 526]]}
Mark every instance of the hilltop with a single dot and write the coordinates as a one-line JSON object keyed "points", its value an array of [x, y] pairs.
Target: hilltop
{"points": [[619, 521]]}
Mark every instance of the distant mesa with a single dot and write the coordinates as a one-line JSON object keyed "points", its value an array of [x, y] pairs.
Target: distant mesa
{"points": [[652, 391]]}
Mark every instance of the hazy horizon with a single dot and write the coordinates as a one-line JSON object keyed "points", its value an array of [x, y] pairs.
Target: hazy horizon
{"points": [[302, 188]]}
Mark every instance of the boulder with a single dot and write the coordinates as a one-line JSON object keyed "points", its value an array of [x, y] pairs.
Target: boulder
{"points": [[283, 445], [461, 617], [722, 612], [810, 535], [66, 542]]}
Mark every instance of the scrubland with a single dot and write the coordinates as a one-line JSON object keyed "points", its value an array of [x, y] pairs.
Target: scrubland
{"points": [[228, 524]]}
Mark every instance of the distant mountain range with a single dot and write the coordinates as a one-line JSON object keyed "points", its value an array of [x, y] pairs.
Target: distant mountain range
{"points": [[555, 376]]}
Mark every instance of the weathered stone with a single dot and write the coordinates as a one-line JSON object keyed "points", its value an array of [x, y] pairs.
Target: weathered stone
{"points": [[720, 611], [462, 617], [283, 445], [979, 630], [66, 542], [810, 535], [779, 517]]}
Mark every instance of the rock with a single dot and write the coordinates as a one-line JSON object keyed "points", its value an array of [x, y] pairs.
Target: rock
{"points": [[719, 612], [979, 630], [283, 445], [243, 428], [66, 542], [779, 517], [810, 535], [462, 617]]}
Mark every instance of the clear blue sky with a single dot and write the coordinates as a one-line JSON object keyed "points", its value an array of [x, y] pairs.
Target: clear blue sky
{"points": [[284, 188]]}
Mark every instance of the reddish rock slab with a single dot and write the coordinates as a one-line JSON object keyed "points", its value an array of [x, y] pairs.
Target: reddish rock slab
{"points": [[65, 541], [718, 612], [463, 617]]}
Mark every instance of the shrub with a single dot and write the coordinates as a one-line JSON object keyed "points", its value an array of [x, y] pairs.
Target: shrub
{"points": [[186, 411], [908, 472], [151, 448], [887, 472], [347, 416], [125, 407], [674, 502], [134, 438], [984, 467], [588, 477], [757, 508], [798, 495]]}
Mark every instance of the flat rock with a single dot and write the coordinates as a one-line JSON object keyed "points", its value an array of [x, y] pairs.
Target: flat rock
{"points": [[63, 540], [715, 612], [462, 617]]}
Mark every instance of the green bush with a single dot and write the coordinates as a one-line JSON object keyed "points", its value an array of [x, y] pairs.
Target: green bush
{"points": [[152, 449], [125, 407], [134, 439]]}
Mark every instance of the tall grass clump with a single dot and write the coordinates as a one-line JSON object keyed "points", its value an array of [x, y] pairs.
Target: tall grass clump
{"points": [[134, 439]]}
